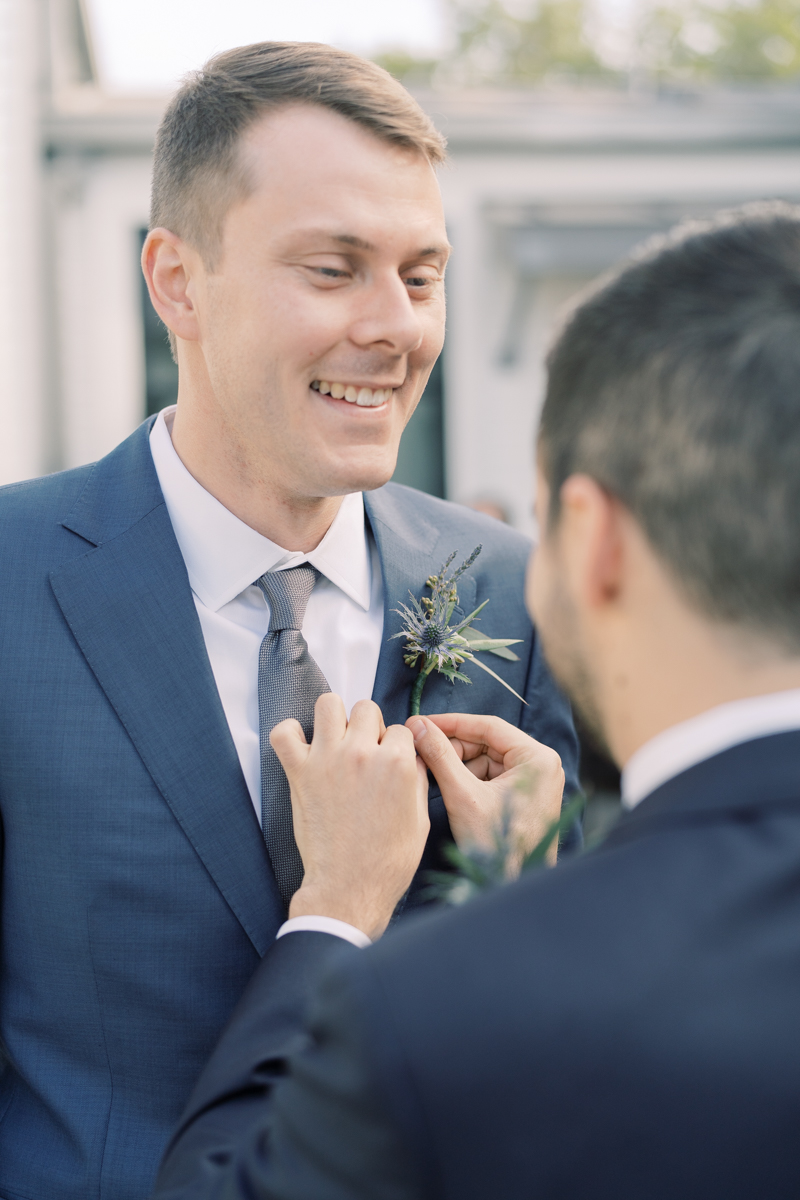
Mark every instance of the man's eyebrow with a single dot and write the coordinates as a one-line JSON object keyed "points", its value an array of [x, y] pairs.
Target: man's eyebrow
{"points": [[349, 239]]}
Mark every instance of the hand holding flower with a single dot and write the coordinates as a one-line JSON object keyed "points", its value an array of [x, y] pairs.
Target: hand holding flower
{"points": [[484, 765]]}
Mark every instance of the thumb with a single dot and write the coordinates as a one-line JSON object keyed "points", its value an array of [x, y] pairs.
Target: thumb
{"points": [[289, 743], [439, 756]]}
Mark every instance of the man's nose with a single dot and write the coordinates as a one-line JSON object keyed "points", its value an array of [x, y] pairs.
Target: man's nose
{"points": [[388, 318]]}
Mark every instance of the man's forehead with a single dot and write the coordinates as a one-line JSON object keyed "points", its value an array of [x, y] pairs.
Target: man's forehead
{"points": [[291, 131], [320, 177]]}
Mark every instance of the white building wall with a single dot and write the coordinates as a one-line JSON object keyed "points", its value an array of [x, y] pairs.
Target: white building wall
{"points": [[23, 436], [100, 204], [492, 410]]}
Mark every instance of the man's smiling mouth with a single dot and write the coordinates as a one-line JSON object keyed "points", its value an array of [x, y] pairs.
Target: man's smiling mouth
{"points": [[363, 396]]}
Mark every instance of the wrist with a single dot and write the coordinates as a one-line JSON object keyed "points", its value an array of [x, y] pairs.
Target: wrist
{"points": [[312, 901]]}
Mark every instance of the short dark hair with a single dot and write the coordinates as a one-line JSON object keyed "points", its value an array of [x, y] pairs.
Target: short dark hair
{"points": [[676, 386], [196, 176]]}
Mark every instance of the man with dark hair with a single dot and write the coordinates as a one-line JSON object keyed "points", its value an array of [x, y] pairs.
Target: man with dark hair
{"points": [[624, 1026], [230, 562]]}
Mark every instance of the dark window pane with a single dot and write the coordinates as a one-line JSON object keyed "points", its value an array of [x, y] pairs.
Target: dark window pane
{"points": [[420, 463]]}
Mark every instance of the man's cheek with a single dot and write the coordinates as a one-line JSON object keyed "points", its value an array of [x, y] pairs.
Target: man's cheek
{"points": [[537, 585]]}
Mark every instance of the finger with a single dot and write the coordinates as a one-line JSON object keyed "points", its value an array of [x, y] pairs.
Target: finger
{"points": [[438, 754], [472, 750], [460, 749], [422, 789], [289, 743], [491, 732], [330, 719], [399, 738], [366, 721], [480, 766]]}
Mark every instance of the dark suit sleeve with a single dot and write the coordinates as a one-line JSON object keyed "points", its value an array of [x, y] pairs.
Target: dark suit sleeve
{"points": [[327, 1131]]}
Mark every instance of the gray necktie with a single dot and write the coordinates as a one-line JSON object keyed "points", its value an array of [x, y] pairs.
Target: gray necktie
{"points": [[289, 682]]}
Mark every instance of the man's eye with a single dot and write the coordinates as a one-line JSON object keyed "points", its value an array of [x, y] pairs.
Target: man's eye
{"points": [[418, 281], [330, 272]]}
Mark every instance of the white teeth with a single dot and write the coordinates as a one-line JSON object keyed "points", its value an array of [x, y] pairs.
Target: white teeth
{"points": [[364, 397]]}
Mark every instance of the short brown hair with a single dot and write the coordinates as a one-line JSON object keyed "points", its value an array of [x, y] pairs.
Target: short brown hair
{"points": [[676, 386], [195, 175]]}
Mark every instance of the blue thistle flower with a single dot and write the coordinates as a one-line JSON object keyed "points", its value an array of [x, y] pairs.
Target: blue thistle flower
{"points": [[439, 645]]}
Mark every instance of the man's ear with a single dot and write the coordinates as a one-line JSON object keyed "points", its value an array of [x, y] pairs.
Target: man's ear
{"points": [[592, 533], [168, 264]]}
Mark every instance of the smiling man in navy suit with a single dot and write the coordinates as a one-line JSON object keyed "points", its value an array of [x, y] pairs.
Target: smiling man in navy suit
{"points": [[624, 1027], [231, 561]]}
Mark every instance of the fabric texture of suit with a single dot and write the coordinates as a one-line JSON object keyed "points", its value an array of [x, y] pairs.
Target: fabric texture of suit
{"points": [[137, 895], [622, 1027]]}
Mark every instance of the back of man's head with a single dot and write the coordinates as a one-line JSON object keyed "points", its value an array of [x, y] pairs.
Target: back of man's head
{"points": [[197, 173], [676, 386]]}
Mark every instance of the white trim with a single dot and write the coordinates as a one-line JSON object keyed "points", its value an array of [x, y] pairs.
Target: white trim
{"points": [[682, 746]]}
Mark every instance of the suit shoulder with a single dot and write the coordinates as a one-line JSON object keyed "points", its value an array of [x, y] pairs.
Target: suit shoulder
{"points": [[456, 520], [43, 497]]}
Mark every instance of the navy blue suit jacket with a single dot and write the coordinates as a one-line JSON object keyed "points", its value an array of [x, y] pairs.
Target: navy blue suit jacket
{"points": [[137, 896], [624, 1027]]}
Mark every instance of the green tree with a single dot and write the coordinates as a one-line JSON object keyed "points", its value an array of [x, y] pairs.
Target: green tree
{"points": [[517, 42], [734, 41], [494, 44]]}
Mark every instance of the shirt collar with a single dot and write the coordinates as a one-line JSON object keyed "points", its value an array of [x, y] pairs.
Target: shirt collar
{"points": [[223, 556], [682, 746]]}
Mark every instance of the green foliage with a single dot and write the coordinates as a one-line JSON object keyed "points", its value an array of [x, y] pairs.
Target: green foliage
{"points": [[476, 870], [734, 41], [407, 67], [545, 39], [521, 42]]}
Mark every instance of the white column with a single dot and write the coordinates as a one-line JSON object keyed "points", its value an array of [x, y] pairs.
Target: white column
{"points": [[21, 348]]}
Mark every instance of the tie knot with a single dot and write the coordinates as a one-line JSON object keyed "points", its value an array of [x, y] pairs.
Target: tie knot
{"points": [[287, 593]]}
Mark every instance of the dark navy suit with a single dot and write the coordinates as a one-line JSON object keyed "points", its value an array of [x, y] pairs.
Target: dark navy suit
{"points": [[137, 895], [625, 1027]]}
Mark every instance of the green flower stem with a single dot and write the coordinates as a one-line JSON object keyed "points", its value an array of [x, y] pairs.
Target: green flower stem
{"points": [[416, 691]]}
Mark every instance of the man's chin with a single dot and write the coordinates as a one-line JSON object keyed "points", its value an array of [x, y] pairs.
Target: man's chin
{"points": [[363, 477]]}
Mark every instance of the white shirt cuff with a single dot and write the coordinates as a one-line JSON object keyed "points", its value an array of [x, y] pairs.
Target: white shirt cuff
{"points": [[330, 925]]}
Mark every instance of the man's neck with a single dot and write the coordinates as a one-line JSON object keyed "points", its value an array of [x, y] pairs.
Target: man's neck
{"points": [[671, 680], [297, 523]]}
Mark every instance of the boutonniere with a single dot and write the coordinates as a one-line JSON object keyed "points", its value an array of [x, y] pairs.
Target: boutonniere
{"points": [[436, 645]]}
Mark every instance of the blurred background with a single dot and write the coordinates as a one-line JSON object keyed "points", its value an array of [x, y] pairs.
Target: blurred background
{"points": [[576, 129]]}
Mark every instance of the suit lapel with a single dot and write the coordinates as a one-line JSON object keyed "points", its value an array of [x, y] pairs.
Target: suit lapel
{"points": [[410, 549], [130, 608]]}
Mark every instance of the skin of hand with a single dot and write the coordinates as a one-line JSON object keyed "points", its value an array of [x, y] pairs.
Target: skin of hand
{"points": [[360, 810], [481, 762]]}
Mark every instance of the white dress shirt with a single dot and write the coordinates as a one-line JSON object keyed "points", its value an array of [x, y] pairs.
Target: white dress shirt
{"points": [[343, 624], [684, 745]]}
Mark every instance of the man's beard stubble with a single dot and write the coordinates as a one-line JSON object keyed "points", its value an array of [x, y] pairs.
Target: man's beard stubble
{"points": [[559, 632]]}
